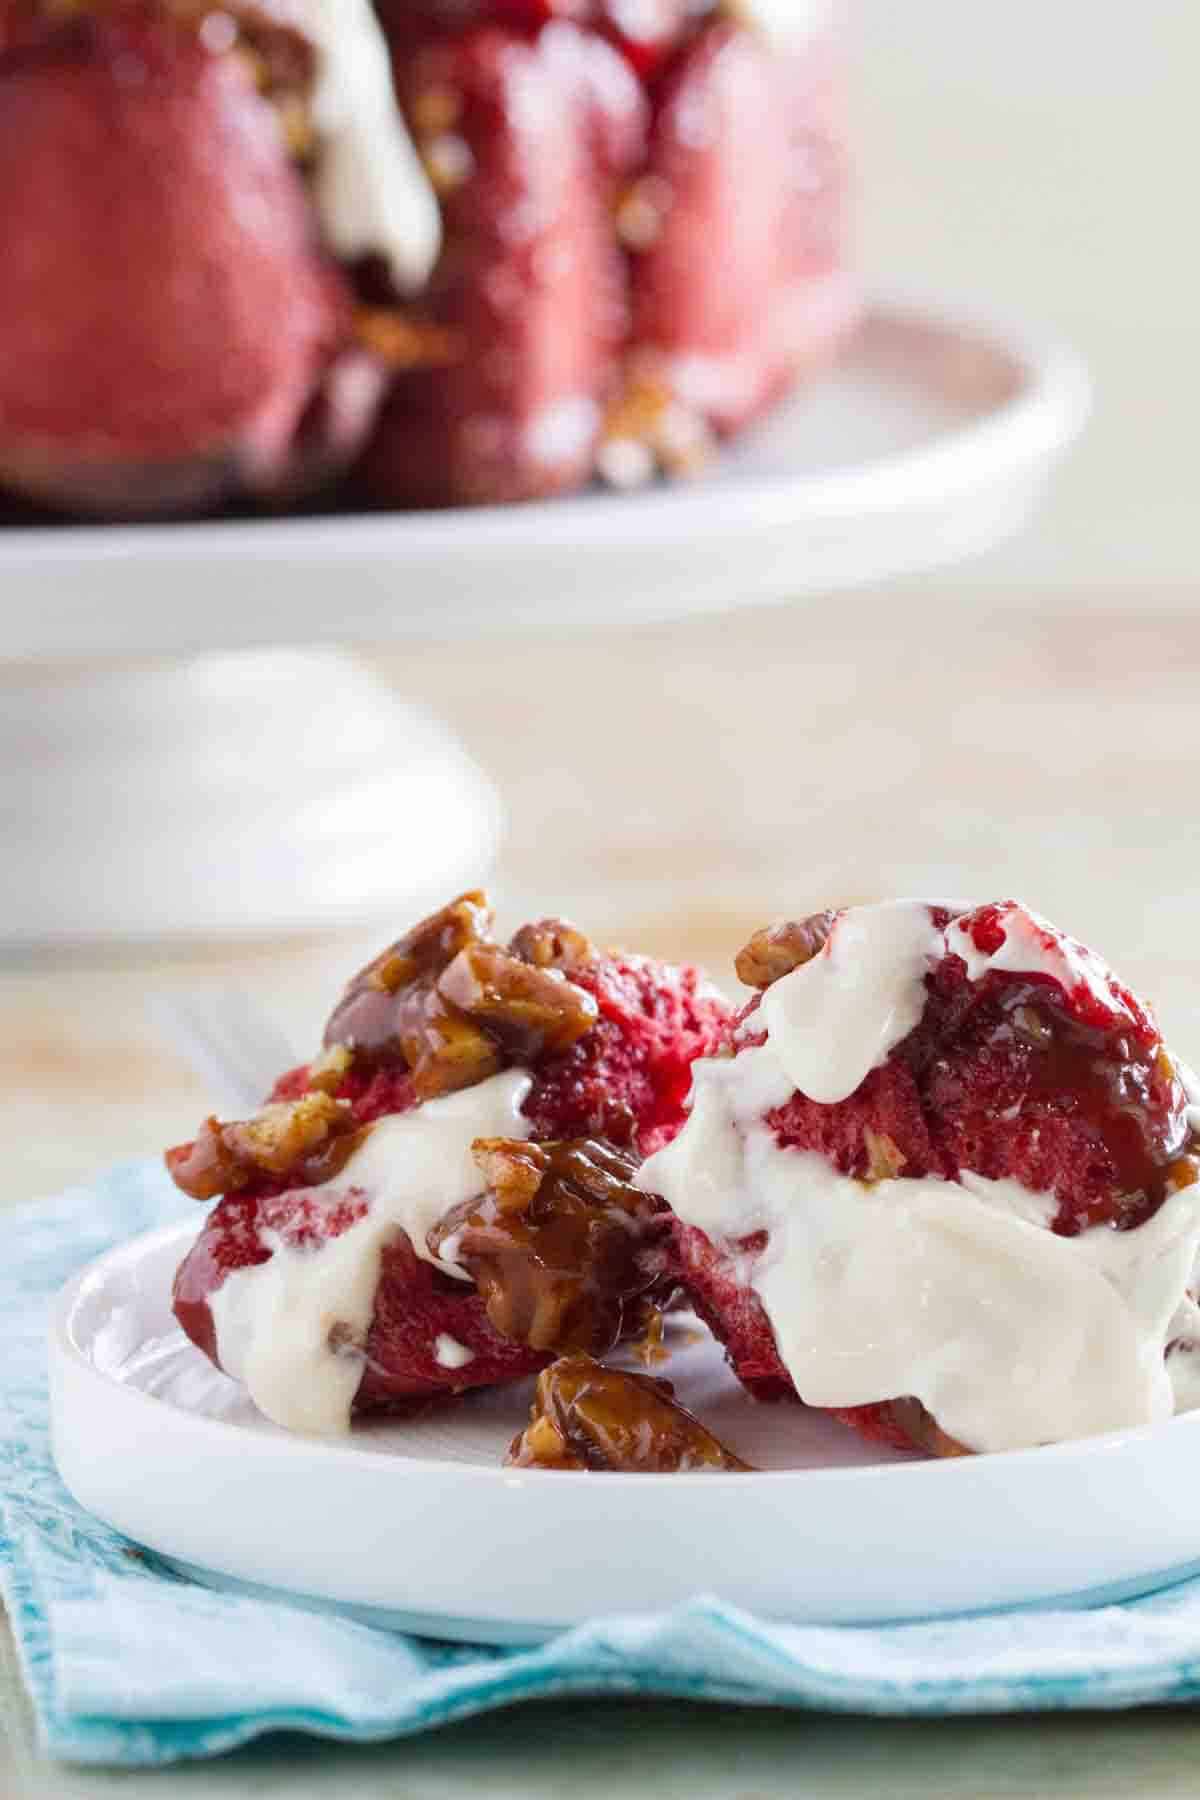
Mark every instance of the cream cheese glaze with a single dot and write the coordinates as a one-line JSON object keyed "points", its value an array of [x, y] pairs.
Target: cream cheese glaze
{"points": [[372, 193], [840, 1015], [1032, 946], [291, 1329], [955, 1292]]}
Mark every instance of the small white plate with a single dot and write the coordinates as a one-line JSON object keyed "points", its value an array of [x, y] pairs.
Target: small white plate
{"points": [[418, 1524], [933, 439]]}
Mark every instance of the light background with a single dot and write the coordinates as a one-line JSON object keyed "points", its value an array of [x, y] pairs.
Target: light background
{"points": [[1040, 154]]}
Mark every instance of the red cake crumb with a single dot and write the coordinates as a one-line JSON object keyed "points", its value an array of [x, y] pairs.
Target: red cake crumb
{"points": [[1056, 1079], [623, 1081]]}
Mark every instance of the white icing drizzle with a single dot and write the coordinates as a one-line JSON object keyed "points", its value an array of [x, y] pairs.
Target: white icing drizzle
{"points": [[371, 192], [450, 1353], [274, 1322], [1032, 946], [955, 1292], [836, 1018]]}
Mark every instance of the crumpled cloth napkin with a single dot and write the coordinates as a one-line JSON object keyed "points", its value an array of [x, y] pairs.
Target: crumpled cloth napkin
{"points": [[129, 1664]]}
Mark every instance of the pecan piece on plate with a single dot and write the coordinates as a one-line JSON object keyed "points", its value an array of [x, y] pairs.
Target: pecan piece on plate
{"points": [[585, 1416]]}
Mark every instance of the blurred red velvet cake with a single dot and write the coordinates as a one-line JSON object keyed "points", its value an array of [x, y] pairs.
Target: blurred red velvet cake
{"points": [[943, 1181], [445, 1198], [472, 250]]}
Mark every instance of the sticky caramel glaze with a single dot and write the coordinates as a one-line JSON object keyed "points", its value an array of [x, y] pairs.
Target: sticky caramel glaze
{"points": [[1121, 1085], [587, 1417], [562, 1247], [301, 1143], [454, 1007]]}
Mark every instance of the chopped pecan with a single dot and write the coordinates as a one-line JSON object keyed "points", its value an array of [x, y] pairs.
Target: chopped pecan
{"points": [[404, 341], [648, 431], [452, 1006], [327, 1073], [530, 1011], [432, 944], [587, 1417], [553, 944], [779, 949], [561, 1246], [311, 1138], [885, 1159]]}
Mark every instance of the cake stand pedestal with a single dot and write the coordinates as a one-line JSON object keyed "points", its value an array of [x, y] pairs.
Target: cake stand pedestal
{"points": [[258, 791]]}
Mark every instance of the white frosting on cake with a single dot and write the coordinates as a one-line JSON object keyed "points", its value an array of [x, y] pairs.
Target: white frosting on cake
{"points": [[837, 1017], [450, 1353], [371, 192], [955, 1292], [1032, 946], [292, 1329]]}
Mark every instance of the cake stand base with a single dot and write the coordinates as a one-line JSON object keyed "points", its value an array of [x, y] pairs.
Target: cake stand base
{"points": [[256, 792]]}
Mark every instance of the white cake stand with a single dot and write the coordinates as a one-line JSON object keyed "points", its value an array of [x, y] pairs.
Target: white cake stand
{"points": [[244, 788]]}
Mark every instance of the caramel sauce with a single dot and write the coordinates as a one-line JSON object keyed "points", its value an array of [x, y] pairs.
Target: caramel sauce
{"points": [[585, 1416], [1124, 1090], [302, 1142], [562, 1247], [453, 1007]]}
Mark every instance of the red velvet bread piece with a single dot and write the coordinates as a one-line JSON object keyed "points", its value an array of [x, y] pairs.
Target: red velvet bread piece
{"points": [[623, 1081], [154, 226], [526, 137], [1055, 1078]]}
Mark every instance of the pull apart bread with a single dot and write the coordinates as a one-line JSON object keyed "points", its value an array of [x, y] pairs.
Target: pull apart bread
{"points": [[421, 252], [943, 1182], [938, 1177], [444, 1199]]}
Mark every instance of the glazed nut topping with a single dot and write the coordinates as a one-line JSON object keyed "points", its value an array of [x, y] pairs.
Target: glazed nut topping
{"points": [[532, 1011], [647, 431], [553, 944], [452, 1006], [777, 950], [433, 943], [327, 1073], [404, 341], [312, 1137], [585, 1416], [561, 1246]]}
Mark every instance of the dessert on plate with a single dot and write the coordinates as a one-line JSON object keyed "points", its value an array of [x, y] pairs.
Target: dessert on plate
{"points": [[444, 1199], [426, 252], [943, 1181], [940, 1176]]}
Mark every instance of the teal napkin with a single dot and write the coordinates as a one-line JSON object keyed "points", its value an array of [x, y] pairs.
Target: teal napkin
{"points": [[127, 1663]]}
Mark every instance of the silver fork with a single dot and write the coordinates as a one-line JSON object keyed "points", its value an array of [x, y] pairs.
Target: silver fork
{"points": [[235, 1049]]}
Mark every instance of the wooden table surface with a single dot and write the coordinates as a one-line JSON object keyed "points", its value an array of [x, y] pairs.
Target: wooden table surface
{"points": [[672, 788]]}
